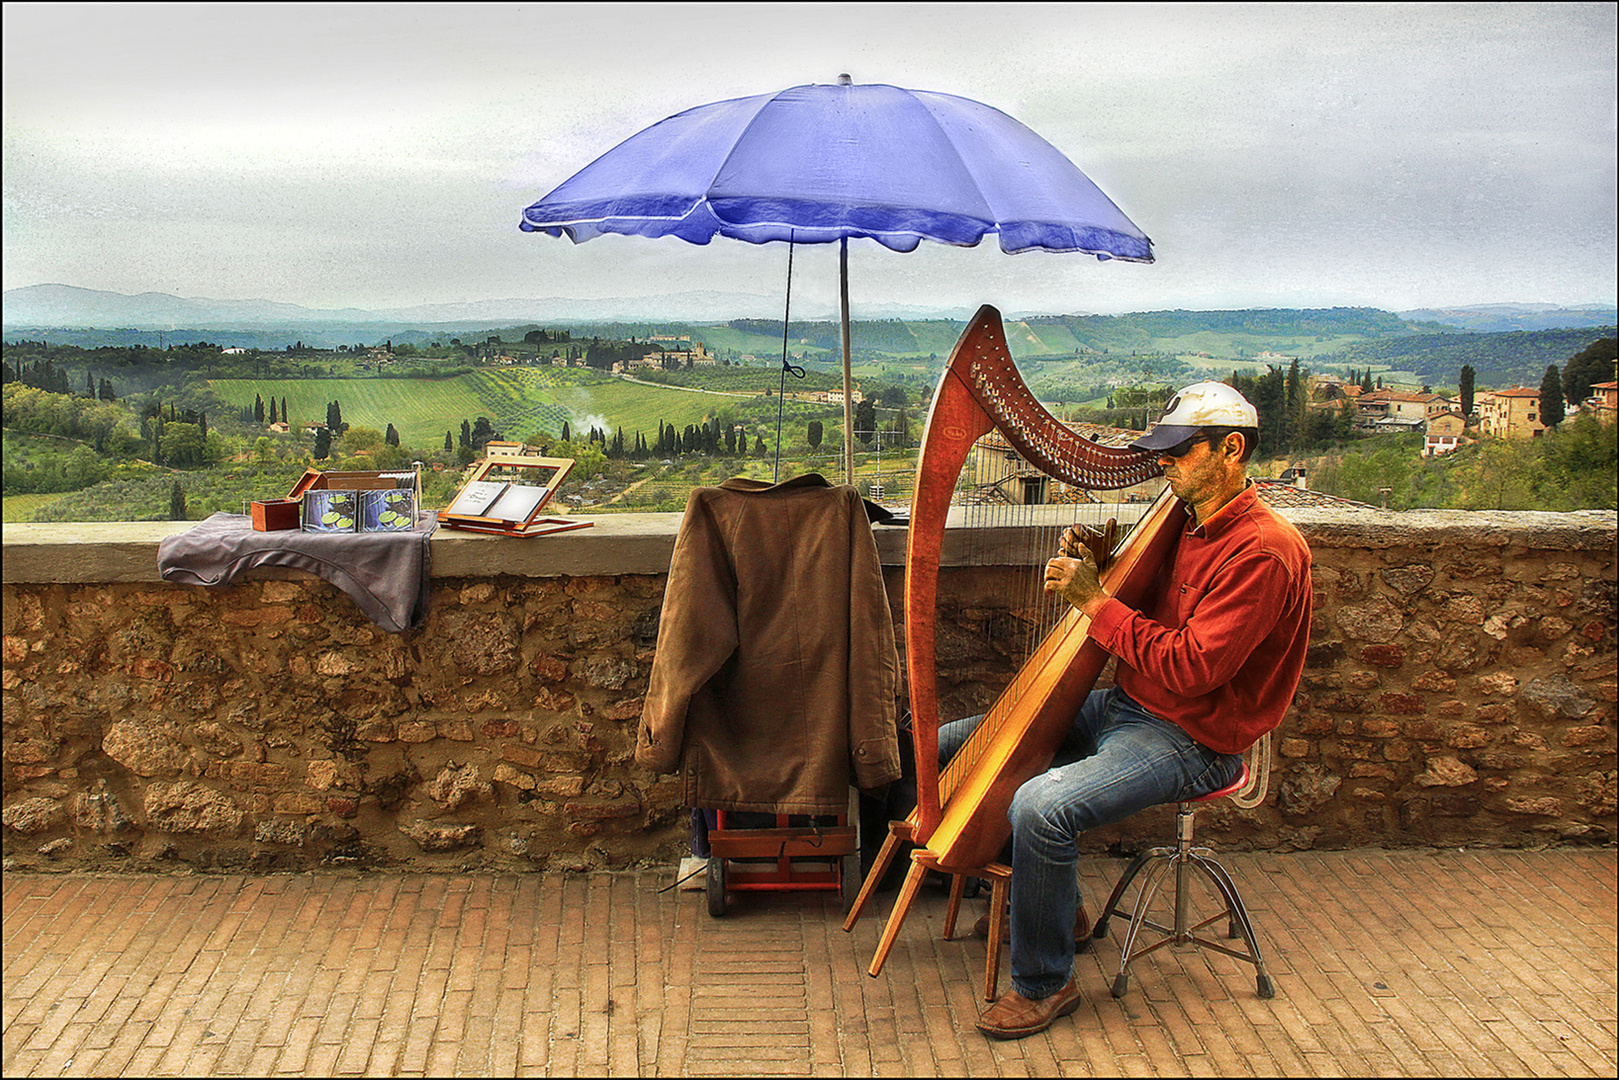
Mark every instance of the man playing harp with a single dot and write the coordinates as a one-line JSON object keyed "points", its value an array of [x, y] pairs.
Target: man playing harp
{"points": [[1206, 666]]}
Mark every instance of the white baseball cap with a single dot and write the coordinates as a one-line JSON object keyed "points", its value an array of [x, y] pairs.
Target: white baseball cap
{"points": [[1201, 405]]}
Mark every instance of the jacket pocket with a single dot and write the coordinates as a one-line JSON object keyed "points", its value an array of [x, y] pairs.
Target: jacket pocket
{"points": [[1186, 602]]}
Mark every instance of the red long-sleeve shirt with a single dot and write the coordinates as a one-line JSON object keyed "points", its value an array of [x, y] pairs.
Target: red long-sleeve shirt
{"points": [[1219, 644]]}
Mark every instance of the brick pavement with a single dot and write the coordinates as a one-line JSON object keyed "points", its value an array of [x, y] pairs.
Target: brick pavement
{"points": [[1386, 963]]}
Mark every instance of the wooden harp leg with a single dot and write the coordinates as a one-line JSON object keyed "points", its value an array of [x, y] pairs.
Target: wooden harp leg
{"points": [[902, 907], [868, 888], [1000, 897], [958, 885]]}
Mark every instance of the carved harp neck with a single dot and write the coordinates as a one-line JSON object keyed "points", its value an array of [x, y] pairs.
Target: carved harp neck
{"points": [[979, 392]]}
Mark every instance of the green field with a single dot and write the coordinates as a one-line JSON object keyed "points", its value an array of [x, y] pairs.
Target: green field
{"points": [[519, 402], [22, 507]]}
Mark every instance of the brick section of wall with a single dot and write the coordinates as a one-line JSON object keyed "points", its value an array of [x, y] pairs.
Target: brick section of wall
{"points": [[1458, 695]]}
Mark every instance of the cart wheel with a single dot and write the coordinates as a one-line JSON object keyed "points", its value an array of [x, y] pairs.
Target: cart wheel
{"points": [[849, 881], [716, 886]]}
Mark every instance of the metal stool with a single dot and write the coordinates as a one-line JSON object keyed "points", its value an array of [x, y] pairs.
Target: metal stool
{"points": [[1247, 791]]}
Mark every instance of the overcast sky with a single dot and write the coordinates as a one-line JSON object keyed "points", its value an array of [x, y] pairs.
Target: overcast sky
{"points": [[1395, 156]]}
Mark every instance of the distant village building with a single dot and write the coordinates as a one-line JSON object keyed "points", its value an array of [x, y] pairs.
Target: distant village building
{"points": [[279, 427], [1445, 432], [677, 352], [1510, 414], [234, 350], [1400, 405], [833, 397], [1603, 402]]}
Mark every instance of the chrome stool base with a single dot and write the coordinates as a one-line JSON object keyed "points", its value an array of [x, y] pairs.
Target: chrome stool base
{"points": [[1182, 860]]}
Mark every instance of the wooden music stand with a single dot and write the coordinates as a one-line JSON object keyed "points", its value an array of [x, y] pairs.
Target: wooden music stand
{"points": [[505, 494]]}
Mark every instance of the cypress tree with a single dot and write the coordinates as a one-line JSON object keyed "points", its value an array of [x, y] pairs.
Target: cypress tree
{"points": [[1551, 397]]}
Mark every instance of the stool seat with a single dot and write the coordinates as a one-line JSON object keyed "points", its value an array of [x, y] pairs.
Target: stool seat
{"points": [[1230, 789]]}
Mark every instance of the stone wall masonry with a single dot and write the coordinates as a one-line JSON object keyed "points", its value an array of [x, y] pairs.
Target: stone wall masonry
{"points": [[1460, 690]]}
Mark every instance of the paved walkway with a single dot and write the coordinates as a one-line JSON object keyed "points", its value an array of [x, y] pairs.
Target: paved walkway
{"points": [[1387, 964]]}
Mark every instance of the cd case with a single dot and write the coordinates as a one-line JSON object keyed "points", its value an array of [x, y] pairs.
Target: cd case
{"points": [[337, 511]]}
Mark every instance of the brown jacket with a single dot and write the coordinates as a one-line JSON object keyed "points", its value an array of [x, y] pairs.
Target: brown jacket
{"points": [[775, 677]]}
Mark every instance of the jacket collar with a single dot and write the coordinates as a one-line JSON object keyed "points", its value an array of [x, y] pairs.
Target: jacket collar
{"points": [[1229, 513], [807, 480]]}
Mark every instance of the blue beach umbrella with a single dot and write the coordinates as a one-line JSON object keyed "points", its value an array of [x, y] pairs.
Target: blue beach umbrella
{"points": [[814, 164]]}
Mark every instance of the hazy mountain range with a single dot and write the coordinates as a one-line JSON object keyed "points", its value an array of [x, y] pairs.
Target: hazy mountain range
{"points": [[69, 306], [45, 306]]}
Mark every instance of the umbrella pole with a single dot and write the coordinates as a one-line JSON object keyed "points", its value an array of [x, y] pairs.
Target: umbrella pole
{"points": [[848, 382]]}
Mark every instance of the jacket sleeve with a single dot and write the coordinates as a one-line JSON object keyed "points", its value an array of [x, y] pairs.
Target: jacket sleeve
{"points": [[1237, 610], [873, 661], [697, 633]]}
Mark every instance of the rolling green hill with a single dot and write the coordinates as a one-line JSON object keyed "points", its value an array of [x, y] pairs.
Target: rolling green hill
{"points": [[1514, 358], [518, 402]]}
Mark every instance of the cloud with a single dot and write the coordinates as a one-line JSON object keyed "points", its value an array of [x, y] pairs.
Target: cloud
{"points": [[336, 155]]}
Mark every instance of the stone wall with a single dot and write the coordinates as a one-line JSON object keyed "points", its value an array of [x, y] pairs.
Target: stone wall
{"points": [[1460, 690]]}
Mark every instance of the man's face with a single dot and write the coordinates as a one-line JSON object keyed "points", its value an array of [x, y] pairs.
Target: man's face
{"points": [[1193, 470]]}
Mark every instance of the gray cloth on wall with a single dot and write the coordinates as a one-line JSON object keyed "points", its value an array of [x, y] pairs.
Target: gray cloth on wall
{"points": [[385, 573]]}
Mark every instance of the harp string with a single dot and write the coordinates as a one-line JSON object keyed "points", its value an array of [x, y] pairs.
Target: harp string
{"points": [[981, 394], [1014, 514]]}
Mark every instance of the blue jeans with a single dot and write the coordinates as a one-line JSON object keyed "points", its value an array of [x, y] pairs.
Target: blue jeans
{"points": [[1117, 760]]}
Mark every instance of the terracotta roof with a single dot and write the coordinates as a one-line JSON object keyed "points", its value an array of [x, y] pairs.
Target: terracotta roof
{"points": [[1516, 391], [1398, 395], [1282, 494]]}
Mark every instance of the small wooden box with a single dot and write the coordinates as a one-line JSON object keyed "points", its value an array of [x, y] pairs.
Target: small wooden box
{"points": [[274, 515]]}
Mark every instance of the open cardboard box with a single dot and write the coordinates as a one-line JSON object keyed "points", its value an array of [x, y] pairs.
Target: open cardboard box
{"points": [[274, 515]]}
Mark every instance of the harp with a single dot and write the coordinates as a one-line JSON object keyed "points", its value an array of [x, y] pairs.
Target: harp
{"points": [[960, 821]]}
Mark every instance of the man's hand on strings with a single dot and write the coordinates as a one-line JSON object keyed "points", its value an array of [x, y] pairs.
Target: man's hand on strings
{"points": [[1076, 579], [1098, 541], [1074, 540]]}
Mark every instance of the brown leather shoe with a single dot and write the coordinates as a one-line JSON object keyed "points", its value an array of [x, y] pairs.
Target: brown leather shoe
{"points": [[1082, 929], [1015, 1016]]}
